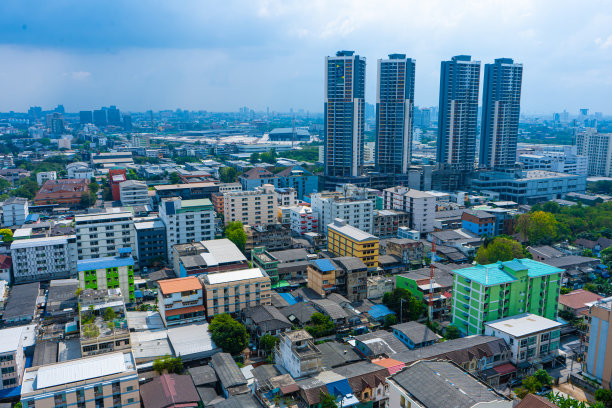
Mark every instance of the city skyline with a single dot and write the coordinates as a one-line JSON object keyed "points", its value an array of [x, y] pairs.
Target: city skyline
{"points": [[262, 54]]}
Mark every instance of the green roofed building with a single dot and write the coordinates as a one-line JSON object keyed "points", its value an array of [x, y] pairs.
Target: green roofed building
{"points": [[483, 293]]}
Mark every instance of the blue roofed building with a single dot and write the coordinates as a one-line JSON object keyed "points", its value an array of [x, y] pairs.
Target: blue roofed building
{"points": [[109, 273], [303, 181], [483, 293]]}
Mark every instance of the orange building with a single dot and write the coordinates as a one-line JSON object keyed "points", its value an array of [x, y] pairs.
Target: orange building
{"points": [[65, 192], [116, 176]]}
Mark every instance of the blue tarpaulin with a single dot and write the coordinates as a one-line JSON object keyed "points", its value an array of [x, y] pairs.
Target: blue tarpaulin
{"points": [[378, 312], [289, 298]]}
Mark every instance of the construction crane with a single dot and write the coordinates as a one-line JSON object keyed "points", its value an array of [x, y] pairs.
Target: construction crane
{"points": [[431, 279]]}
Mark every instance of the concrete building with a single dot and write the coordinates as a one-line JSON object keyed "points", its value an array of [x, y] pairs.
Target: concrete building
{"points": [[14, 211], [102, 235], [151, 245], [43, 259], [303, 219], [63, 192], [275, 237], [484, 293], [345, 240], [79, 170], [598, 148], [344, 114], [45, 176], [598, 361], [108, 380], [109, 273], [356, 212], [212, 256], [559, 162], [387, 222], [297, 353], [181, 300], [257, 177], [186, 221], [478, 222], [132, 193], [230, 292], [251, 207], [303, 181], [12, 357], [420, 205], [533, 339], [286, 197]]}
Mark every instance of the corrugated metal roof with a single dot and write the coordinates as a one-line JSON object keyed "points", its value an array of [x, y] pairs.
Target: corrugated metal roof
{"points": [[103, 263]]}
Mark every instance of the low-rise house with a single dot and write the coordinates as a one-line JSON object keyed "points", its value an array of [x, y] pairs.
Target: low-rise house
{"points": [[332, 309], [379, 343], [379, 285], [297, 354], [231, 379], [544, 252], [577, 302], [181, 300], [265, 319], [21, 304], [415, 335], [299, 314], [169, 391], [578, 269]]}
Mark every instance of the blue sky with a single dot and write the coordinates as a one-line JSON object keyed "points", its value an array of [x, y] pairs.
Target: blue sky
{"points": [[221, 55]]}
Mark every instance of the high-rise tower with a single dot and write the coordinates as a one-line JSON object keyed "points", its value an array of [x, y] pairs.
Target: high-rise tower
{"points": [[457, 117], [344, 114], [500, 114], [394, 114]]}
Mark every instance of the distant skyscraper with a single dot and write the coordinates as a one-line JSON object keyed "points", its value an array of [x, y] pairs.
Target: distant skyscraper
{"points": [[86, 117], [113, 116], [458, 114], [99, 117], [501, 106], [394, 114], [344, 114], [127, 123]]}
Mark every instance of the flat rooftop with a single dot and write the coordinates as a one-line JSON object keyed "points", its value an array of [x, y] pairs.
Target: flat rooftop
{"points": [[233, 276], [493, 274], [523, 324]]}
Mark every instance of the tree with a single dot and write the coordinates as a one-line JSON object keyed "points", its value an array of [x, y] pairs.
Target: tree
{"points": [[169, 364], [234, 231], [568, 402], [538, 227], [7, 235], [228, 334], [500, 249], [5, 184], [267, 342], [174, 178], [268, 157], [452, 332], [328, 401], [94, 187], [604, 396], [390, 320], [254, 157], [86, 200], [543, 378], [404, 304], [530, 385], [109, 314], [228, 174], [322, 325]]}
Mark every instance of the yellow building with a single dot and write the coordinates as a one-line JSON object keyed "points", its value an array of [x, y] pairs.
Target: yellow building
{"points": [[344, 240]]}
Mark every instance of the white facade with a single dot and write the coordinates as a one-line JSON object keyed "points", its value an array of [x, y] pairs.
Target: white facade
{"points": [[256, 207], [356, 213], [14, 211], [44, 176], [286, 197], [598, 148], [186, 221], [420, 205], [12, 358], [133, 193], [41, 259], [178, 301], [102, 235], [297, 353], [560, 162], [79, 170], [64, 143], [303, 220]]}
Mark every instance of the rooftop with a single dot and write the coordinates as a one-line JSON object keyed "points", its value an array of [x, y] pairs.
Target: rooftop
{"points": [[233, 276], [169, 390], [578, 299], [416, 332], [324, 265], [10, 339], [179, 285], [493, 274], [103, 263], [523, 324], [21, 301], [36, 242], [354, 233]]}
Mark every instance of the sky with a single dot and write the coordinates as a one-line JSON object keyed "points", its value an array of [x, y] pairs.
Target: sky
{"points": [[222, 55]]}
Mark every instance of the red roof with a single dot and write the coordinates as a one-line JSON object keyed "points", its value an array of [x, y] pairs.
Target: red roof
{"points": [[577, 299], [505, 369], [5, 262], [183, 310]]}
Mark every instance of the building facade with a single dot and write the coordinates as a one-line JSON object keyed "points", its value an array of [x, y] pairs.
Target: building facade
{"points": [[419, 204], [15, 210], [12, 357], [102, 235], [181, 300], [43, 259], [345, 240], [344, 114], [394, 114], [598, 359], [458, 113], [230, 292], [358, 213], [598, 148], [484, 293], [500, 113], [303, 219], [109, 273], [251, 207], [132, 193], [151, 245]]}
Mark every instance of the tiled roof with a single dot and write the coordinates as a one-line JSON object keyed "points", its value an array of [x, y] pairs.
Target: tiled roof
{"points": [[578, 299], [183, 310], [180, 285], [535, 401]]}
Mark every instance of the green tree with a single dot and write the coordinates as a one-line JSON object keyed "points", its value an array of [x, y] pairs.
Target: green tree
{"points": [[94, 187], [500, 249], [404, 304], [109, 314], [268, 157], [604, 396], [322, 325], [568, 402], [26, 188], [7, 235], [538, 227], [5, 184], [565, 290], [390, 320], [169, 364], [328, 401], [254, 157], [228, 174], [267, 342], [228, 334], [86, 200], [234, 231], [174, 178], [543, 378], [452, 332]]}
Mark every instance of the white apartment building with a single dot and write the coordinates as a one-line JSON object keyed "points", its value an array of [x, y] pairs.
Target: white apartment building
{"points": [[297, 353], [43, 259], [559, 162], [303, 220], [132, 192], [187, 221], [598, 148], [251, 207], [45, 176], [79, 170], [102, 235], [286, 197], [227, 187], [12, 357], [64, 143], [14, 211], [420, 205], [328, 206], [181, 300]]}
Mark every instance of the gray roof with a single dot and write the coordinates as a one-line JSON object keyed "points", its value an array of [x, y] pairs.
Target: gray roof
{"points": [[434, 383], [335, 354], [290, 255], [207, 394], [227, 370], [238, 401], [338, 298], [267, 318], [45, 353], [416, 332], [546, 250], [382, 342], [440, 215], [458, 350], [277, 300], [301, 311], [330, 308], [570, 261], [442, 277], [62, 295], [202, 375], [21, 302], [350, 263]]}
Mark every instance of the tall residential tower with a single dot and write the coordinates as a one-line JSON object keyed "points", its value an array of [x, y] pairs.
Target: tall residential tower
{"points": [[344, 114], [500, 114], [394, 114], [457, 117]]}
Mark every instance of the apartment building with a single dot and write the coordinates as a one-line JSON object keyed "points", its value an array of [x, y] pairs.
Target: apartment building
{"points": [[43, 259], [181, 300], [478, 222], [598, 358], [44, 176], [132, 192], [356, 212], [109, 273], [297, 353], [275, 237], [150, 241], [14, 211], [420, 205], [387, 222], [107, 380], [286, 197], [230, 292], [345, 240], [251, 207], [187, 221], [102, 235], [598, 148], [303, 219], [483, 293], [212, 256], [79, 170], [12, 357]]}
